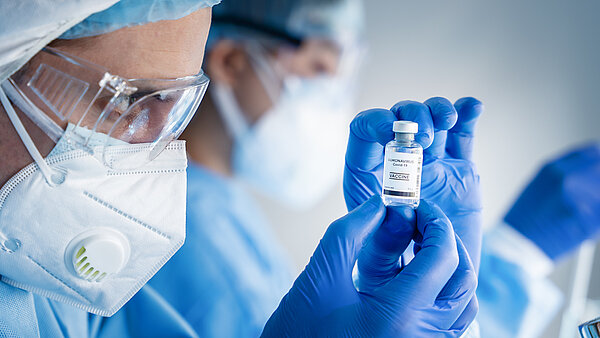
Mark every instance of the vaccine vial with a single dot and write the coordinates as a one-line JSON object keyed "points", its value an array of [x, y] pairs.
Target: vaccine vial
{"points": [[402, 166]]}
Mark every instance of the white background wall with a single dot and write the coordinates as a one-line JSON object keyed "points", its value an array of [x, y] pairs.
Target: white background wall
{"points": [[534, 64]]}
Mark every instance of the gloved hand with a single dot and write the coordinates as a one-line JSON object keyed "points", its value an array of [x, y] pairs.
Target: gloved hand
{"points": [[428, 296], [560, 208], [449, 177]]}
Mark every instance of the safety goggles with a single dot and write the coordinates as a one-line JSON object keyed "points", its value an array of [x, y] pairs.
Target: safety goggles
{"points": [[56, 89]]}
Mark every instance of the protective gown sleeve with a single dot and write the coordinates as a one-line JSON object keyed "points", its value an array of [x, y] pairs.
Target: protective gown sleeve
{"points": [[516, 298]]}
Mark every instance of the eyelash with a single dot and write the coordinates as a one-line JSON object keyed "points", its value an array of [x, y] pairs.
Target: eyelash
{"points": [[133, 98]]}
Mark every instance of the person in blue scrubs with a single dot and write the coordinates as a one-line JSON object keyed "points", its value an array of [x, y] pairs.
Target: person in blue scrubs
{"points": [[26, 27], [231, 273]]}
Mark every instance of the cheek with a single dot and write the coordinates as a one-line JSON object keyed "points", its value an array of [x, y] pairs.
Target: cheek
{"points": [[13, 154], [251, 96]]}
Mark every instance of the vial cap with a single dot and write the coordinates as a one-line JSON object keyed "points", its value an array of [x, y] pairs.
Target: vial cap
{"points": [[405, 127]]}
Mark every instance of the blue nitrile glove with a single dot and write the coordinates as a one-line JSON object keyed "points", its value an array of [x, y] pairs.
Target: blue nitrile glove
{"points": [[429, 296], [378, 264], [560, 208], [449, 177]]}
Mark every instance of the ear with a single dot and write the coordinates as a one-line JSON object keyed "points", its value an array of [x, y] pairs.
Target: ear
{"points": [[226, 61]]}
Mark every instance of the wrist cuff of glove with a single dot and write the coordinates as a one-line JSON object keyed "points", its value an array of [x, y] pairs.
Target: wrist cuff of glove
{"points": [[506, 242]]}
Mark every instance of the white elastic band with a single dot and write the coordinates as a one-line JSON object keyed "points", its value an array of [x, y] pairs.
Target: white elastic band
{"points": [[46, 124], [229, 109], [27, 141], [266, 73], [235, 122]]}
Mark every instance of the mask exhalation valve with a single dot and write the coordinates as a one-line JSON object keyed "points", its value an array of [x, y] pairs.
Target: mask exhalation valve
{"points": [[96, 254]]}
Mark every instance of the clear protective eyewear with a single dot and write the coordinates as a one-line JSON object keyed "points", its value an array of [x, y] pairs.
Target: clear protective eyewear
{"points": [[56, 89]]}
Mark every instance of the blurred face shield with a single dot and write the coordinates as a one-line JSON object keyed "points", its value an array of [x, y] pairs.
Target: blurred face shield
{"points": [[61, 92]]}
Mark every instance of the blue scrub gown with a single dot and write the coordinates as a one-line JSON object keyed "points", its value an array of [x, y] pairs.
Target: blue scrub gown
{"points": [[231, 273]]}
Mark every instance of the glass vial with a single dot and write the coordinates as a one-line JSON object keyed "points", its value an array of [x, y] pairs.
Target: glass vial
{"points": [[402, 166]]}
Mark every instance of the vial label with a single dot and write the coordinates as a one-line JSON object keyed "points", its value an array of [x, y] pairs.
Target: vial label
{"points": [[402, 175]]}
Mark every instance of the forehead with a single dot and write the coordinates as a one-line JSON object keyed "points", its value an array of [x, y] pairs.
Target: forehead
{"points": [[163, 49]]}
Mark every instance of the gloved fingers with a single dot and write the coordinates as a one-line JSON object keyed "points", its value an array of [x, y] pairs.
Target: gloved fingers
{"points": [[588, 185], [590, 152], [586, 153], [467, 316], [378, 261], [458, 292], [360, 185], [560, 207], [576, 175], [346, 236], [444, 117], [468, 225], [461, 325], [370, 130], [460, 138], [585, 183], [419, 113], [437, 149], [326, 283], [579, 190], [577, 159], [443, 113], [436, 261]]}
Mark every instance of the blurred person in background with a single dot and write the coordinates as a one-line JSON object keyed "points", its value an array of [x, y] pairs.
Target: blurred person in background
{"points": [[275, 117]]}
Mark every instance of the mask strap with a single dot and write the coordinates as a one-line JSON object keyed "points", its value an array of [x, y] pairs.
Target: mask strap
{"points": [[26, 139], [266, 73], [229, 109], [43, 121], [225, 99]]}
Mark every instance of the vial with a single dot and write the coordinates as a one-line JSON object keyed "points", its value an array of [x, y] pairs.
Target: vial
{"points": [[402, 166]]}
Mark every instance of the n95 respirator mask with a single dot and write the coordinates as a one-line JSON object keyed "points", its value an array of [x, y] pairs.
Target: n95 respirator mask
{"points": [[76, 230]]}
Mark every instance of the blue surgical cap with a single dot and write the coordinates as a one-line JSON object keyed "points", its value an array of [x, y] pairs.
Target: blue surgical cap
{"points": [[290, 20], [127, 13], [26, 26]]}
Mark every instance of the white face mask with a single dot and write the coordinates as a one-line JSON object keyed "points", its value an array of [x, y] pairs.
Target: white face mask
{"points": [[73, 230], [294, 153]]}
